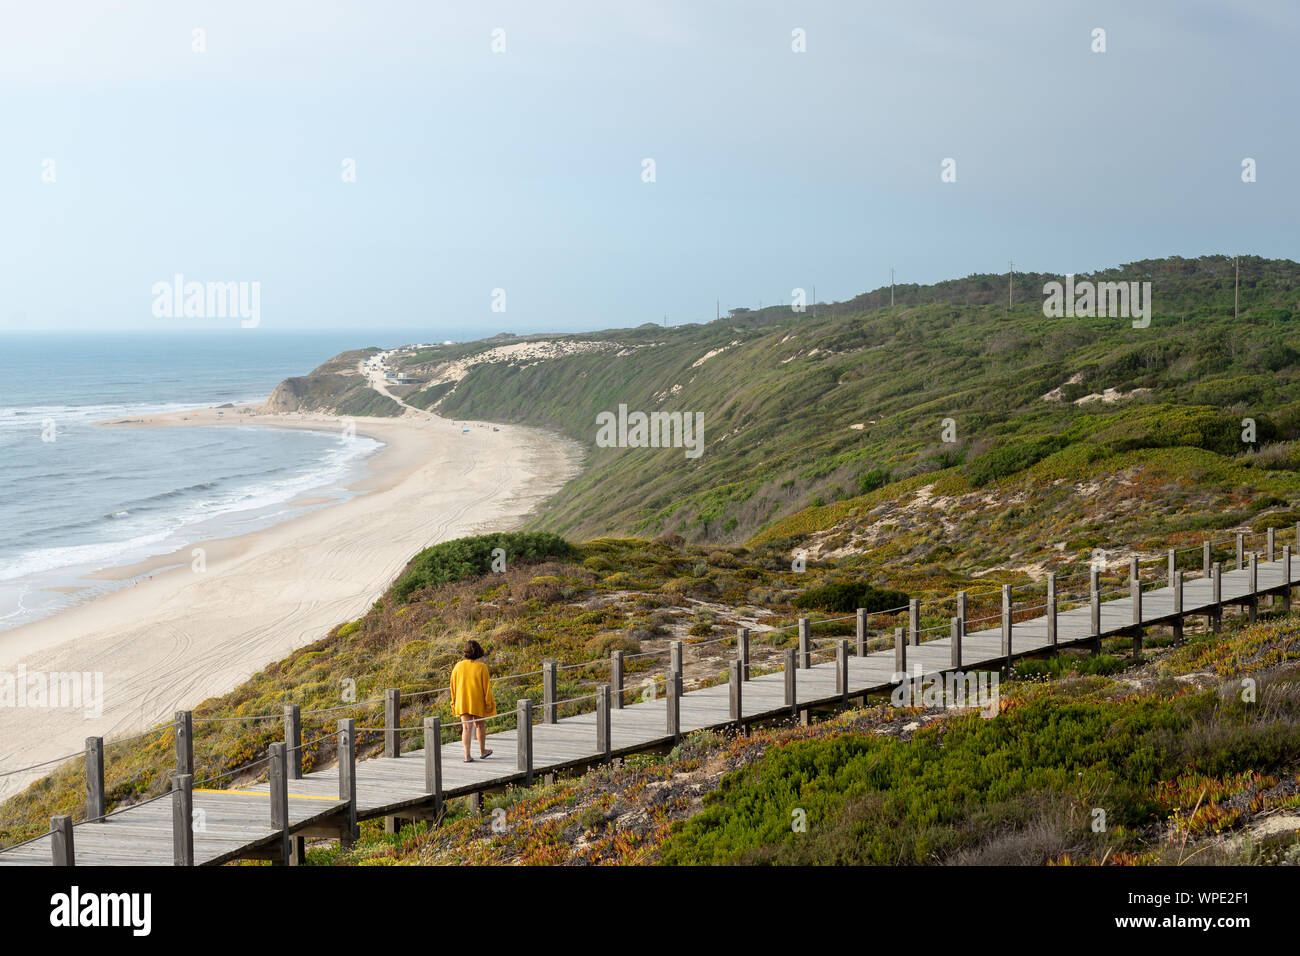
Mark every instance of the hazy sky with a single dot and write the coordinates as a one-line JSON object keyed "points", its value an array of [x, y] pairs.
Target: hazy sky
{"points": [[523, 169]]}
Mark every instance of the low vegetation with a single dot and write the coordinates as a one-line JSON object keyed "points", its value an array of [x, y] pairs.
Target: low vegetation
{"points": [[1160, 762]]}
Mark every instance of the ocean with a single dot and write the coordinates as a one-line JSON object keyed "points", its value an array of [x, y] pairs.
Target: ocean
{"points": [[76, 498]]}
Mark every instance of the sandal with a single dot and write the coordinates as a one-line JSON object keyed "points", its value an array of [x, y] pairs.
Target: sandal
{"points": [[485, 754], [469, 759]]}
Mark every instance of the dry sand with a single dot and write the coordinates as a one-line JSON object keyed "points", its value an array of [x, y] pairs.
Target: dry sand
{"points": [[171, 641]]}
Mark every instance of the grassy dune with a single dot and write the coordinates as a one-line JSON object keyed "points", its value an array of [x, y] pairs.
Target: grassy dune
{"points": [[781, 393]]}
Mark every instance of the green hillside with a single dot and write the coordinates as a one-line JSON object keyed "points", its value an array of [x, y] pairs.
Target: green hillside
{"points": [[781, 394]]}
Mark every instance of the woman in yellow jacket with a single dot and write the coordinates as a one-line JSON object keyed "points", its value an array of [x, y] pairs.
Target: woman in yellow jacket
{"points": [[471, 698]]}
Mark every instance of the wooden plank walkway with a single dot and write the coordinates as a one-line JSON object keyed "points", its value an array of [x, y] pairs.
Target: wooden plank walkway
{"points": [[235, 824]]}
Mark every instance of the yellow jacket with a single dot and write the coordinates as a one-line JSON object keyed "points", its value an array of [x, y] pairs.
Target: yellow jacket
{"points": [[471, 690]]}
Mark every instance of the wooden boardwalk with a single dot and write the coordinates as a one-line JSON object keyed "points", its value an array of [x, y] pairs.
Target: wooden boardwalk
{"points": [[269, 820]]}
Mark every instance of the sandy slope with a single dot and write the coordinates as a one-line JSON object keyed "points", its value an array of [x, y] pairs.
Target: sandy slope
{"points": [[171, 641]]}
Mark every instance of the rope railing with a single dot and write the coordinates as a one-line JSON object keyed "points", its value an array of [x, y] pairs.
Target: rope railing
{"points": [[242, 768], [313, 741], [424, 693], [31, 840], [595, 662], [570, 700], [1112, 583], [131, 806], [163, 728], [43, 763]]}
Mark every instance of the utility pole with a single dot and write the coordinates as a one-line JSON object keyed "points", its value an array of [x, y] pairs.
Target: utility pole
{"points": [[1011, 278], [1236, 289], [814, 300], [891, 287]]}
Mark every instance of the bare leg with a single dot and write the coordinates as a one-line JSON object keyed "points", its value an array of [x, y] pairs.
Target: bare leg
{"points": [[466, 731], [482, 737]]}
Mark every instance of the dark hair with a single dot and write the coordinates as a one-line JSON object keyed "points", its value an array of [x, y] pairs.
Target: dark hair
{"points": [[473, 650]]}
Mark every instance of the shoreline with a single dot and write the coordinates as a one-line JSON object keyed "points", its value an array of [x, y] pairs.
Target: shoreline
{"points": [[172, 639]]}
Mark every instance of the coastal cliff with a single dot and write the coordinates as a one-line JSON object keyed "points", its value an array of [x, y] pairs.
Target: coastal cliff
{"points": [[335, 387]]}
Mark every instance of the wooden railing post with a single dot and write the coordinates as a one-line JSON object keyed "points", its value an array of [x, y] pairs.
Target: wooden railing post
{"points": [[1135, 594], [805, 643], [842, 671], [742, 651], [914, 621], [1051, 608], [603, 745], [94, 779], [1178, 607], [1241, 551], [961, 613], [550, 710], [1173, 565], [791, 698], [433, 760], [954, 638], [293, 739], [860, 632], [392, 721], [675, 657], [1205, 558], [735, 683], [293, 757], [182, 819], [1094, 602], [1216, 575], [1286, 577], [1006, 623], [1135, 590], [900, 654], [184, 724], [1253, 606], [524, 739], [61, 846], [277, 777], [347, 751], [616, 678], [675, 706], [1269, 557]]}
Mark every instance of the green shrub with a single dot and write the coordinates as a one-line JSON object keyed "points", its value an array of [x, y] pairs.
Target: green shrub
{"points": [[871, 480], [912, 801], [1008, 460], [847, 596], [464, 557]]}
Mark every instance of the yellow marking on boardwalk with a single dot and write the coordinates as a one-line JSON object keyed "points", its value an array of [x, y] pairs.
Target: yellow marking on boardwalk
{"points": [[255, 793]]}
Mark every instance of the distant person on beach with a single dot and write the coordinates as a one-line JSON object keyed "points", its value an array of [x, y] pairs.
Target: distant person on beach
{"points": [[471, 698]]}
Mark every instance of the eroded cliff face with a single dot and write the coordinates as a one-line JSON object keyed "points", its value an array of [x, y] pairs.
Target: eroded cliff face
{"points": [[336, 388], [317, 392]]}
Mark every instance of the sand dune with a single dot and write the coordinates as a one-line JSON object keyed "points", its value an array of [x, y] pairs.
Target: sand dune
{"points": [[169, 642]]}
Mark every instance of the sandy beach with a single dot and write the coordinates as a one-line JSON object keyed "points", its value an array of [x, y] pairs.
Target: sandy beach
{"points": [[179, 636]]}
